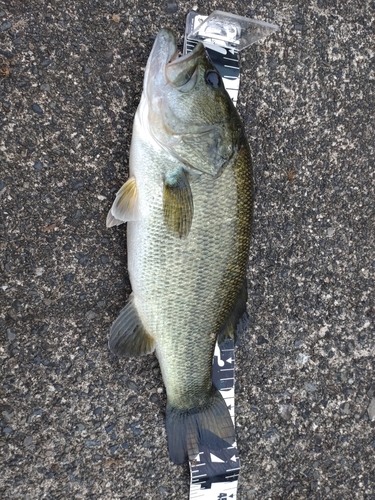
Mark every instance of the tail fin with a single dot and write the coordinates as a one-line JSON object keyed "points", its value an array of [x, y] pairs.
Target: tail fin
{"points": [[210, 426]]}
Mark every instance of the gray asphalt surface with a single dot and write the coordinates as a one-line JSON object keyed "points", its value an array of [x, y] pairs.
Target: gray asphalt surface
{"points": [[75, 421]]}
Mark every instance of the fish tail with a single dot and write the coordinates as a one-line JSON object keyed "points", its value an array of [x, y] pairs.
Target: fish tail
{"points": [[209, 426]]}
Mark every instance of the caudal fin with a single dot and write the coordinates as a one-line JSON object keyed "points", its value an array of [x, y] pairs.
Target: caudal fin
{"points": [[210, 426]]}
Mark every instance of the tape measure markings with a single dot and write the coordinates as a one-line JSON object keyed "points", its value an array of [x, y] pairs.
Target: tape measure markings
{"points": [[214, 473]]}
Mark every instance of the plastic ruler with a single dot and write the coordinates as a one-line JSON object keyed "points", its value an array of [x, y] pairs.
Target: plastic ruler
{"points": [[214, 474]]}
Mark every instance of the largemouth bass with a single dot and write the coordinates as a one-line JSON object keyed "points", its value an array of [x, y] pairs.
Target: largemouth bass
{"points": [[188, 205]]}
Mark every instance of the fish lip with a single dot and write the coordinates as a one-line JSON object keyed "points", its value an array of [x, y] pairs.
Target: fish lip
{"points": [[182, 71], [163, 51], [164, 61], [197, 52]]}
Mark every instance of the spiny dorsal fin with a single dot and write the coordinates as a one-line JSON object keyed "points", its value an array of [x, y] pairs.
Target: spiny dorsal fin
{"points": [[125, 206], [128, 337], [178, 204]]}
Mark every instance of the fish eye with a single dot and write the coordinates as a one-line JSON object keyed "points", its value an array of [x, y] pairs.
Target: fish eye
{"points": [[212, 77]]}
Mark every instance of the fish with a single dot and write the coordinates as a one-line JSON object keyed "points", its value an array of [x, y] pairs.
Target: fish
{"points": [[188, 205]]}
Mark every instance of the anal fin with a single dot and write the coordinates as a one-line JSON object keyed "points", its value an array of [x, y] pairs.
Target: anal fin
{"points": [[128, 337]]}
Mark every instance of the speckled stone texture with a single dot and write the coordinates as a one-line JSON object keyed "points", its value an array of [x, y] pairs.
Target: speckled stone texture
{"points": [[75, 421]]}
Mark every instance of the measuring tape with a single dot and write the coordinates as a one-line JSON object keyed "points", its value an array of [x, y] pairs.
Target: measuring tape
{"points": [[225, 59], [214, 475]]}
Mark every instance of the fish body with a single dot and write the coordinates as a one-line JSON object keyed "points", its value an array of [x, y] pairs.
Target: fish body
{"points": [[188, 205]]}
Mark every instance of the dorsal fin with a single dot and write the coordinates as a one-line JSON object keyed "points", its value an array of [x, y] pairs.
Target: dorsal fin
{"points": [[237, 318]]}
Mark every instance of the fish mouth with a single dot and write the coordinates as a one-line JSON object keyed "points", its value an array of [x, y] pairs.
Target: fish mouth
{"points": [[182, 72], [165, 66]]}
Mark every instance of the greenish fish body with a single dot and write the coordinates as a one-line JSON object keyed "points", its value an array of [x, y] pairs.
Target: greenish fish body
{"points": [[188, 205]]}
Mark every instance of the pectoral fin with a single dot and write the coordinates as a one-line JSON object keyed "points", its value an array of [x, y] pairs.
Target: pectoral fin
{"points": [[178, 204], [125, 206], [128, 337]]}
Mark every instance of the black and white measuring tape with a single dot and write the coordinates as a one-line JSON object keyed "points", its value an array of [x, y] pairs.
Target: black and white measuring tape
{"points": [[214, 474]]}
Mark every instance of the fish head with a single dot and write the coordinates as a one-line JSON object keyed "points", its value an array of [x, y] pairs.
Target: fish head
{"points": [[188, 111]]}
